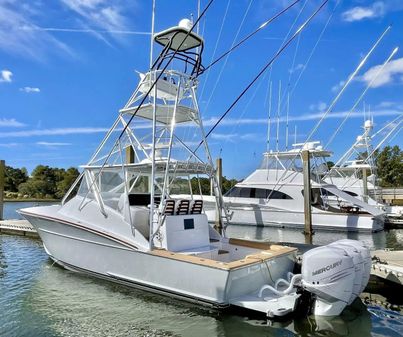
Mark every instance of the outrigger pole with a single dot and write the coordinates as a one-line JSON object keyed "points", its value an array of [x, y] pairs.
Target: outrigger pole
{"points": [[263, 25], [271, 61], [362, 95]]}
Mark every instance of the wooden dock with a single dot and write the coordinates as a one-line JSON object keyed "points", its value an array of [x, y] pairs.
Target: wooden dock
{"points": [[388, 265], [17, 227]]}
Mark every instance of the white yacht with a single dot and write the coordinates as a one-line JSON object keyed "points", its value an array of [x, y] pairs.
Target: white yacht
{"points": [[358, 176], [273, 195], [119, 221]]}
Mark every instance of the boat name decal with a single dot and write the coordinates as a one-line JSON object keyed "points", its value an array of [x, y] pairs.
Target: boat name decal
{"points": [[327, 268]]}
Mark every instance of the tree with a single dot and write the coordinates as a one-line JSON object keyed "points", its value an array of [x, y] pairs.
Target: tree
{"points": [[329, 164], [13, 177], [68, 179], [389, 164]]}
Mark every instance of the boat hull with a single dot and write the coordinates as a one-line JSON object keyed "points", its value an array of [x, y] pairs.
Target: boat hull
{"points": [[78, 249], [256, 215]]}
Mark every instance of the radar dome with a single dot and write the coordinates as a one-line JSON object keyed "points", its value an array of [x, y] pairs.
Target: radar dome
{"points": [[359, 138], [185, 23], [368, 124]]}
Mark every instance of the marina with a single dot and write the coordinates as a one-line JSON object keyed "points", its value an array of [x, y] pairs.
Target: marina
{"points": [[58, 302], [170, 200]]}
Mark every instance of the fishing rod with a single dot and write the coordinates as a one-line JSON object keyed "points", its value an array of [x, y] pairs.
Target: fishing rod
{"points": [[263, 25], [371, 154], [335, 100], [268, 64], [362, 95], [347, 83], [348, 153]]}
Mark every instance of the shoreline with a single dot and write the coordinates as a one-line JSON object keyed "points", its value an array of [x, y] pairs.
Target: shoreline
{"points": [[31, 200]]}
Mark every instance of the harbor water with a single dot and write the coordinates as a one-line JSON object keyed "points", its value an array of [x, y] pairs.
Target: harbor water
{"points": [[38, 298]]}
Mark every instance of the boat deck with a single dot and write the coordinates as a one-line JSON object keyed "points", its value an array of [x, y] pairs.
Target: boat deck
{"points": [[266, 253]]}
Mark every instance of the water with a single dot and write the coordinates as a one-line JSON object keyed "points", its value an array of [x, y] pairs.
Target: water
{"points": [[10, 208], [38, 298]]}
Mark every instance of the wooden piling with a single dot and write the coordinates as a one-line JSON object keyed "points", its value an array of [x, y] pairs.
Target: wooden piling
{"points": [[130, 158], [218, 217], [365, 183], [308, 232], [2, 182]]}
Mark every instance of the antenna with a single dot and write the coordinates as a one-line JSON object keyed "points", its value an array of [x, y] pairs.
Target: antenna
{"points": [[269, 119], [286, 125], [295, 134], [152, 34], [278, 113]]}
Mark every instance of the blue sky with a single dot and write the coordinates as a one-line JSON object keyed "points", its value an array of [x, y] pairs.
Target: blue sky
{"points": [[68, 66]]}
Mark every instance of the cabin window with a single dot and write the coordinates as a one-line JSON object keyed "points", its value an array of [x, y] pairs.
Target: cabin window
{"points": [[260, 193], [351, 193]]}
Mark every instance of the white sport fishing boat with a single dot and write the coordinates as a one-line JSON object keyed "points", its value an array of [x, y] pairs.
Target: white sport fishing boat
{"points": [[273, 195], [358, 177], [119, 222]]}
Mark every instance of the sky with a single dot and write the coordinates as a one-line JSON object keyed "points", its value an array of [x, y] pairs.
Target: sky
{"points": [[68, 66]]}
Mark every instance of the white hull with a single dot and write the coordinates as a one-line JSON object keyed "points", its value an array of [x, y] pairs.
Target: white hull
{"points": [[264, 216], [85, 251]]}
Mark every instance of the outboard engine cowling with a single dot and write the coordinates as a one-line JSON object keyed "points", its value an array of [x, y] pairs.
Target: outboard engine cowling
{"points": [[358, 267], [328, 272], [367, 261]]}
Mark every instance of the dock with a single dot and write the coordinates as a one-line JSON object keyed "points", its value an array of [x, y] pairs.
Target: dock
{"points": [[388, 265], [18, 227], [392, 196]]}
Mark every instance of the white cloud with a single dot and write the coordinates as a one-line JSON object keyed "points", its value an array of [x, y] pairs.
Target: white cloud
{"points": [[303, 117], [393, 70], [338, 86], [386, 104], [50, 144], [5, 76], [30, 89], [4, 122], [16, 37], [320, 106], [9, 145], [298, 67], [376, 10], [53, 132], [234, 137], [98, 14]]}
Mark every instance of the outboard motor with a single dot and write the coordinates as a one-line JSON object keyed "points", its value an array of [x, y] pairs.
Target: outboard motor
{"points": [[358, 267], [366, 256], [328, 273]]}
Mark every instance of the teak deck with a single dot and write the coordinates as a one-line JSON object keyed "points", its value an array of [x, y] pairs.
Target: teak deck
{"points": [[268, 252]]}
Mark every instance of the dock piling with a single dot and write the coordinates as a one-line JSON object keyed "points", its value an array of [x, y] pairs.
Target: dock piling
{"points": [[2, 178], [218, 218], [307, 196], [365, 183]]}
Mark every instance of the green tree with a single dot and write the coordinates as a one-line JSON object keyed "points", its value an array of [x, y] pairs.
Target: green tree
{"points": [[13, 177], [69, 176], [389, 164], [329, 164]]}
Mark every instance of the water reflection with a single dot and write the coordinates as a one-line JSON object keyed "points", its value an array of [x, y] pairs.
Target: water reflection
{"points": [[45, 300], [386, 239], [65, 303]]}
